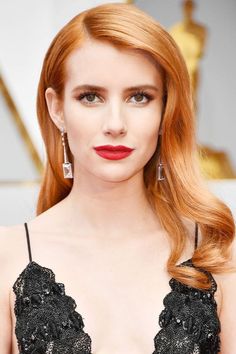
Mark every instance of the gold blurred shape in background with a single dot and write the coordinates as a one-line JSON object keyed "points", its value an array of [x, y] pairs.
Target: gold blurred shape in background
{"points": [[14, 113], [191, 39]]}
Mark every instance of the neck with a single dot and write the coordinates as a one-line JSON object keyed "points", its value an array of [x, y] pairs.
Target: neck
{"points": [[109, 208]]}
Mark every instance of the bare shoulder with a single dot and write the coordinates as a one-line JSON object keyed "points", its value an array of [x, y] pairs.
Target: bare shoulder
{"points": [[13, 241], [8, 236], [13, 250], [8, 232]]}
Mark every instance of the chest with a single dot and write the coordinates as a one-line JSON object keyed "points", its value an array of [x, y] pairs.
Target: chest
{"points": [[118, 294], [120, 297]]}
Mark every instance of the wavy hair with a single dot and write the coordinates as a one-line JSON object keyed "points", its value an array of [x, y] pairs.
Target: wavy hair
{"points": [[183, 193]]}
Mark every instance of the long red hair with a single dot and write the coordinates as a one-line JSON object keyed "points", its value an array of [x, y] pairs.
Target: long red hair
{"points": [[183, 193]]}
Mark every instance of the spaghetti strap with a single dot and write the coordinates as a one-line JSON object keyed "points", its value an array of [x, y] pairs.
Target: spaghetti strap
{"points": [[28, 241], [196, 236]]}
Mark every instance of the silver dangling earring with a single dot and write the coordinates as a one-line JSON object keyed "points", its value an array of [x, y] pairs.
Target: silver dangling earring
{"points": [[67, 166], [160, 167], [160, 171]]}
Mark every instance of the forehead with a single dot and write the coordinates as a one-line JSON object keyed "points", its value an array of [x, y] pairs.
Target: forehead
{"points": [[102, 61]]}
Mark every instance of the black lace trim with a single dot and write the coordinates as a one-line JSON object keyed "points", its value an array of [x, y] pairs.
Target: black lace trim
{"points": [[189, 322], [47, 322]]}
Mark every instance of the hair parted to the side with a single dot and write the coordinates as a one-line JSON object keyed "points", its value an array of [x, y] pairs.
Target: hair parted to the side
{"points": [[183, 193]]}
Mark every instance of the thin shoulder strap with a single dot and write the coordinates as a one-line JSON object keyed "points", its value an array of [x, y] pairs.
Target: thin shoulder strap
{"points": [[196, 236], [28, 241]]}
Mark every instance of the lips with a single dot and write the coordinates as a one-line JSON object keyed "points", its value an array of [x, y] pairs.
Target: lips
{"points": [[113, 148], [111, 152]]}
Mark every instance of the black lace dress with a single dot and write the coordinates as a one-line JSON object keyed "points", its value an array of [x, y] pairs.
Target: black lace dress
{"points": [[47, 321]]}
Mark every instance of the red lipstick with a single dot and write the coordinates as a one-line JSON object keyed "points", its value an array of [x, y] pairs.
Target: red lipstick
{"points": [[111, 152]]}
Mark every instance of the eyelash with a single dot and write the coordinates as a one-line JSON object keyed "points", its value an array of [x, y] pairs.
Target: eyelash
{"points": [[87, 93]]}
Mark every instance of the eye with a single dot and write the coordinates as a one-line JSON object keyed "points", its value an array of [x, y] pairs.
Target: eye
{"points": [[140, 95], [90, 97]]}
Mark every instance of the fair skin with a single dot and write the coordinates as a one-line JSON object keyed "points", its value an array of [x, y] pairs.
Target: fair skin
{"points": [[103, 241]]}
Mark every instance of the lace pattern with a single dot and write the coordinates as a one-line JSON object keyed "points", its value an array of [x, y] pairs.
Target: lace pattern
{"points": [[189, 322], [47, 322]]}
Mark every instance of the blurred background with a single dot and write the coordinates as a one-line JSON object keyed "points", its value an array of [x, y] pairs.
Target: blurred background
{"points": [[205, 31]]}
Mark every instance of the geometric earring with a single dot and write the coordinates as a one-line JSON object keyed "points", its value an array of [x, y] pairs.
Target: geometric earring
{"points": [[160, 171], [67, 166], [160, 168]]}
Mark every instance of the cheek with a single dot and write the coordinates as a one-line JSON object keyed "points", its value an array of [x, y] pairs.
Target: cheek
{"points": [[80, 129], [149, 123], [148, 130], [78, 118]]}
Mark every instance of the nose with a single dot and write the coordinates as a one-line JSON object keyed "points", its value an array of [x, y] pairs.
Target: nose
{"points": [[115, 123]]}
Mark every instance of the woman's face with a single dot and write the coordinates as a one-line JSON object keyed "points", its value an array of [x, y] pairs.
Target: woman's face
{"points": [[111, 97]]}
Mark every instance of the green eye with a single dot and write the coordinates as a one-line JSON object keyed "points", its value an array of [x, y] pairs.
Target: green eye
{"points": [[91, 97], [139, 97], [88, 97]]}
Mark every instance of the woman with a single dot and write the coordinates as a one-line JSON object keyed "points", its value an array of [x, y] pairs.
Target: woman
{"points": [[114, 224]]}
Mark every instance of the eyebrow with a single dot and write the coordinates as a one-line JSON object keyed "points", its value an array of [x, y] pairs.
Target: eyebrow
{"points": [[103, 89]]}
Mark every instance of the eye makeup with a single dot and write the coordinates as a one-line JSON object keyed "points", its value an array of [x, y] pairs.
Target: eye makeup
{"points": [[88, 94]]}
